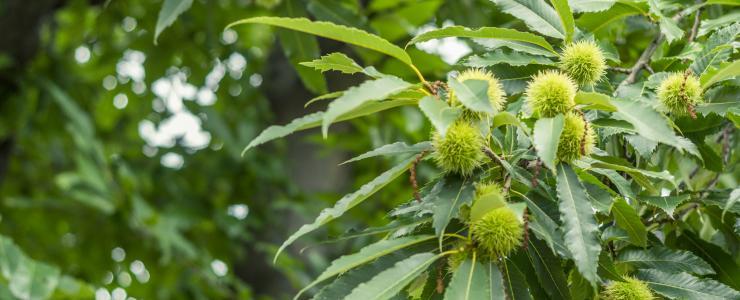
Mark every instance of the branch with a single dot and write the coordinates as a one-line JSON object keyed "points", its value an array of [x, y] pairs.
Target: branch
{"points": [[492, 155], [621, 70], [695, 27], [725, 137], [412, 176], [644, 59]]}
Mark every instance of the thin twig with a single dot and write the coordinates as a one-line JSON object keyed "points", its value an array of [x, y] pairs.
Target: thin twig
{"points": [[507, 185], [412, 176], [620, 70], [492, 155], [536, 172], [644, 59], [695, 27], [725, 153], [440, 279], [525, 217]]}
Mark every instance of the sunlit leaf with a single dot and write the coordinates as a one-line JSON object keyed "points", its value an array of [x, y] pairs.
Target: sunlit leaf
{"points": [[391, 281], [439, 113], [484, 33], [538, 16], [333, 31], [473, 94], [355, 97], [393, 149], [546, 138]]}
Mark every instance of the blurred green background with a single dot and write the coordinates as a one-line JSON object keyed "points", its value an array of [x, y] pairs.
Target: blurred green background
{"points": [[121, 175], [120, 168]]}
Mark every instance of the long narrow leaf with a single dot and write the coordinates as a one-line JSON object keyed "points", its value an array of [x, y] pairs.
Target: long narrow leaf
{"points": [[391, 281], [483, 33], [366, 254], [579, 224], [349, 201], [328, 30], [354, 97]]}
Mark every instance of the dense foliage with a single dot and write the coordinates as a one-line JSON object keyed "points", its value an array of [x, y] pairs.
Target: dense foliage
{"points": [[577, 149], [563, 171]]}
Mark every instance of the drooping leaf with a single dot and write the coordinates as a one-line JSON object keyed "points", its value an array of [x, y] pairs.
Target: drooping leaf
{"points": [[546, 138], [620, 182], [709, 25], [367, 254], [716, 49], [546, 228], [275, 132], [643, 146], [333, 31], [595, 21], [666, 203], [590, 5], [169, 12], [514, 281], [448, 195], [600, 195], [354, 97], [473, 94], [723, 264], [517, 46], [651, 124], [538, 16], [628, 219], [731, 201], [495, 284], [336, 61], [595, 101], [666, 260], [506, 118], [719, 108], [724, 2], [349, 201], [484, 33], [391, 281], [439, 113], [326, 96], [607, 269], [724, 72], [523, 263], [486, 203], [686, 286], [566, 18], [347, 282], [393, 149], [468, 282], [548, 269], [579, 224], [618, 164], [512, 58]]}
